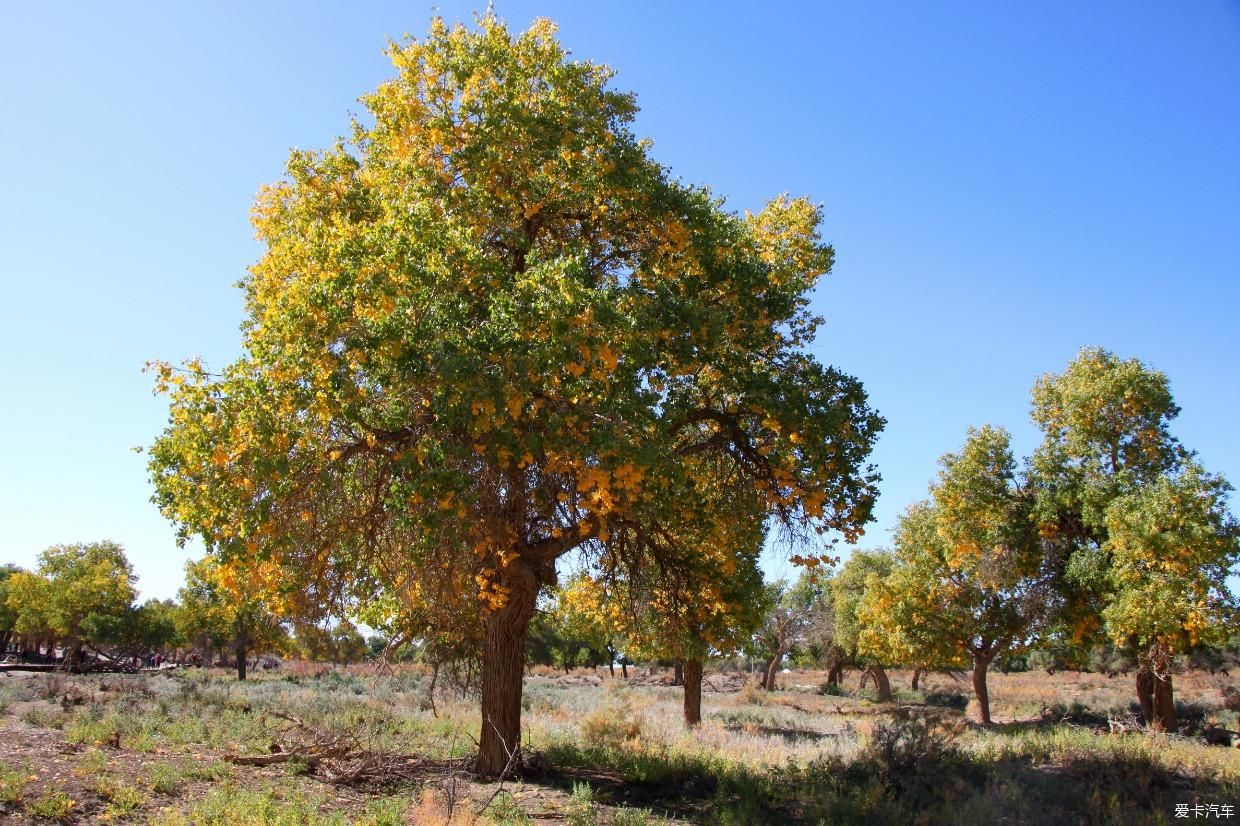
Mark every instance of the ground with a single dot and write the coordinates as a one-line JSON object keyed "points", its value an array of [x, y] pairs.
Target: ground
{"points": [[362, 746]]}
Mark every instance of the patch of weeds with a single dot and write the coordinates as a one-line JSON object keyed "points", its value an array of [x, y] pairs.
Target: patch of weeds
{"points": [[296, 767], [92, 762], [632, 817], [12, 784], [164, 778], [504, 811], [213, 771], [582, 810], [386, 811], [121, 796], [43, 717], [52, 805]]}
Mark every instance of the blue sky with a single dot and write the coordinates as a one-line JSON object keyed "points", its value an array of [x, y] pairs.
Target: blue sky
{"points": [[1004, 183]]}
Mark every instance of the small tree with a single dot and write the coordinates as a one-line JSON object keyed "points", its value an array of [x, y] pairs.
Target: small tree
{"points": [[223, 604], [972, 581], [1172, 545], [848, 589], [790, 609], [8, 613]]}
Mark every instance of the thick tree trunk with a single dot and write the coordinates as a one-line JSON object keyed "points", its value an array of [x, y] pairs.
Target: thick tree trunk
{"points": [[979, 689], [693, 692], [835, 675], [624, 668], [1164, 703], [771, 671], [916, 678], [1145, 694], [678, 673], [881, 683], [241, 661], [503, 664]]}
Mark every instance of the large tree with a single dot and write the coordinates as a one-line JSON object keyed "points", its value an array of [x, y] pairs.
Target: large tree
{"points": [[1143, 530], [489, 329]]}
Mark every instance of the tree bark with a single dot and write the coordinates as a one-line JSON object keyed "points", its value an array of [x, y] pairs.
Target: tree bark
{"points": [[693, 692], [1145, 694], [916, 678], [241, 660], [503, 664], [979, 688], [881, 683], [678, 673], [624, 668], [1164, 703], [771, 671], [835, 675]]}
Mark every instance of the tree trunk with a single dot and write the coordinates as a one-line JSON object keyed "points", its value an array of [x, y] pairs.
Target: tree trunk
{"points": [[693, 692], [241, 661], [624, 668], [1145, 693], [881, 683], [678, 673], [503, 664], [835, 675], [771, 671], [979, 688], [1164, 703], [916, 678]]}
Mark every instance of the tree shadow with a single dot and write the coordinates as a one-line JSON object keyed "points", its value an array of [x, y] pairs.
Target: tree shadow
{"points": [[789, 734]]}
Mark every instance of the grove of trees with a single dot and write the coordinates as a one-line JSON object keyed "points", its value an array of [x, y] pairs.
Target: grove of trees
{"points": [[491, 341]]}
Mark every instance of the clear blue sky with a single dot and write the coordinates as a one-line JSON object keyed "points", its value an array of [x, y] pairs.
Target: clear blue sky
{"points": [[1004, 183]]}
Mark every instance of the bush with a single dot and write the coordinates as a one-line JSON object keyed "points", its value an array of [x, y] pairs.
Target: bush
{"points": [[613, 722], [832, 690]]}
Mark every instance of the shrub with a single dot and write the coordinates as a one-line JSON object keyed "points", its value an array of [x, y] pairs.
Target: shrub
{"points": [[613, 722], [52, 805], [582, 810]]}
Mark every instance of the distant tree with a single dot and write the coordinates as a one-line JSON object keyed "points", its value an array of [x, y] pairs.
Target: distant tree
{"points": [[8, 613], [847, 589], [222, 605], [790, 609], [78, 595], [1141, 530], [971, 581], [376, 644], [348, 645]]}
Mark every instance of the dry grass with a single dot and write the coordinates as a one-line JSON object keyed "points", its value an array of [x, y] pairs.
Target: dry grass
{"points": [[611, 751]]}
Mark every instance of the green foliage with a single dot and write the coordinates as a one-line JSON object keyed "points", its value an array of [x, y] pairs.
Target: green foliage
{"points": [[78, 593], [970, 581], [1143, 528], [489, 330]]}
